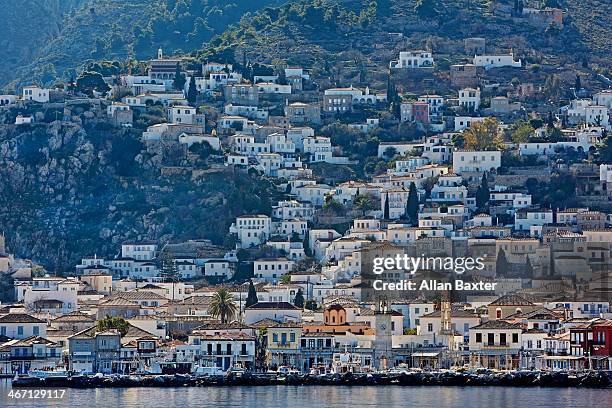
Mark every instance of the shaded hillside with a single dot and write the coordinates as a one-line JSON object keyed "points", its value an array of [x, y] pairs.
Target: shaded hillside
{"points": [[25, 25], [109, 29], [70, 191]]}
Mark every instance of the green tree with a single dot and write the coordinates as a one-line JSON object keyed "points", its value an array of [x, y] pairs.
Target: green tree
{"points": [[577, 83], [179, 78], [483, 135], [285, 279], [251, 295], [521, 132], [605, 151], [222, 306], [192, 92], [482, 194], [426, 8], [89, 81], [310, 304], [299, 299], [113, 323], [169, 269], [501, 264], [412, 204]]}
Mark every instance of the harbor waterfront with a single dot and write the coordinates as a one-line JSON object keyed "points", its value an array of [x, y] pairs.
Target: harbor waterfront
{"points": [[319, 396], [592, 379]]}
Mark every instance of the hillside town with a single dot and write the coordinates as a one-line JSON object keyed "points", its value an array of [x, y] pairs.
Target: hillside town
{"points": [[470, 159]]}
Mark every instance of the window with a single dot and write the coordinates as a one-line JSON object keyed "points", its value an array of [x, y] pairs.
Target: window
{"points": [[35, 330], [429, 327], [20, 330], [515, 337], [478, 337]]}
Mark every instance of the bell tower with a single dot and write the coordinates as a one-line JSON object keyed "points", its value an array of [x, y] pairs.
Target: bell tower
{"points": [[383, 345]]}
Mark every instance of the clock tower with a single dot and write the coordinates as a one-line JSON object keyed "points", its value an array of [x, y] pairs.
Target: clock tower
{"points": [[383, 349]]}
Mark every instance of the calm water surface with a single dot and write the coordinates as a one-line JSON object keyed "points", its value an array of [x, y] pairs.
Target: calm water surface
{"points": [[321, 397]]}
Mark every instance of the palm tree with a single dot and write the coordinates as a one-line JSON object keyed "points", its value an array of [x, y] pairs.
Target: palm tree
{"points": [[222, 306]]}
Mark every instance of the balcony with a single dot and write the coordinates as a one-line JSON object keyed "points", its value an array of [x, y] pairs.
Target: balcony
{"points": [[493, 346]]}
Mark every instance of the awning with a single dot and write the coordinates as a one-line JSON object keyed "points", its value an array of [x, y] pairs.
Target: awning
{"points": [[426, 354]]}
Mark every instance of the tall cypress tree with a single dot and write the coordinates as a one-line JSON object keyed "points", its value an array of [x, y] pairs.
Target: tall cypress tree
{"points": [[412, 204], [299, 299], [251, 295], [179, 78], [386, 207], [192, 92], [482, 194]]}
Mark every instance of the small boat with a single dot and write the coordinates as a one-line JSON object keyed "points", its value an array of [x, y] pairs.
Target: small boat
{"points": [[49, 373], [208, 371], [236, 371], [286, 370]]}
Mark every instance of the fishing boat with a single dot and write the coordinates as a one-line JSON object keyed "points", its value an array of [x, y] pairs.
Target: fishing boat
{"points": [[56, 373], [286, 370], [346, 362], [208, 371]]}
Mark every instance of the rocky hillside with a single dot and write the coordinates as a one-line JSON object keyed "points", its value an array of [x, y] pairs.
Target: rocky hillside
{"points": [[68, 191], [45, 40], [356, 34]]}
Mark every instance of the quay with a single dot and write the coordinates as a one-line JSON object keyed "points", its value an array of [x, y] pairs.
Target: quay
{"points": [[599, 379]]}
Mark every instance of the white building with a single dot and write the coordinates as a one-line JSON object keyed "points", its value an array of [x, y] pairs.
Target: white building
{"points": [[602, 98], [185, 115], [597, 115], [250, 112], [115, 107], [313, 193], [413, 59], [496, 61], [435, 103], [21, 326], [36, 94], [287, 210], [464, 122], [476, 161], [319, 147], [270, 270], [526, 218], [23, 120], [273, 88], [218, 268], [7, 100], [50, 295], [140, 251], [469, 98], [251, 230]]}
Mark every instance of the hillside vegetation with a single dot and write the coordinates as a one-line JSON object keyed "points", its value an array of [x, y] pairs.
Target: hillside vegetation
{"points": [[45, 40]]}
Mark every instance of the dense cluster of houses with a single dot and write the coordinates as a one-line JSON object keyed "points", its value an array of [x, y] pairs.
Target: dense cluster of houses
{"points": [[550, 309]]}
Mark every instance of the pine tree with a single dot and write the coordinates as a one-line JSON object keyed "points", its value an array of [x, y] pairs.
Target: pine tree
{"points": [[550, 121], [412, 204], [252, 295], [299, 299], [482, 194], [192, 92]]}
